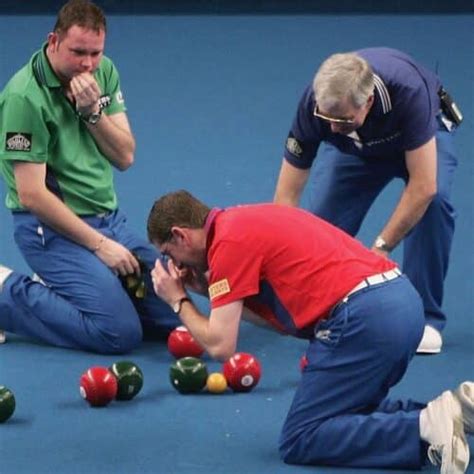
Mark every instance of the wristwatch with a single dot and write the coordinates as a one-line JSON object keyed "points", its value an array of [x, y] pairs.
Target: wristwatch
{"points": [[380, 244], [93, 118], [177, 306]]}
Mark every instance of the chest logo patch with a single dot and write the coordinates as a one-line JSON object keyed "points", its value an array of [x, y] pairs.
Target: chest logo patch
{"points": [[219, 288], [18, 141]]}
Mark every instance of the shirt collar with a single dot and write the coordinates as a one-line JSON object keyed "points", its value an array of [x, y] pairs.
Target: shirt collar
{"points": [[43, 70], [383, 94], [209, 224]]}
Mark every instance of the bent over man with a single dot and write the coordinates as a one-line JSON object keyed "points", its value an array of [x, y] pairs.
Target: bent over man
{"points": [[284, 268], [372, 116]]}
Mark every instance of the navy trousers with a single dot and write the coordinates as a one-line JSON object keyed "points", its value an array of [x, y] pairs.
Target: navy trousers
{"points": [[83, 305], [340, 415], [344, 187]]}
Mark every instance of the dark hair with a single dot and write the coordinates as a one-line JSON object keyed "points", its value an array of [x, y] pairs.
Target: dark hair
{"points": [[179, 208], [82, 13]]}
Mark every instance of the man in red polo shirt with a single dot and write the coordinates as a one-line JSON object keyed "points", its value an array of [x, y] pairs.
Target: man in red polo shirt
{"points": [[284, 268]]}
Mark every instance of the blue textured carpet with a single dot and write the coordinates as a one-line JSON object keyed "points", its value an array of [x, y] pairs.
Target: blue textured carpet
{"points": [[210, 99]]}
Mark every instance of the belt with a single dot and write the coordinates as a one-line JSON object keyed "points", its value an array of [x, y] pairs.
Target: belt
{"points": [[373, 280]]}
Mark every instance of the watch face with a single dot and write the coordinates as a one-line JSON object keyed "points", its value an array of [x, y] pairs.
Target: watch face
{"points": [[94, 118]]}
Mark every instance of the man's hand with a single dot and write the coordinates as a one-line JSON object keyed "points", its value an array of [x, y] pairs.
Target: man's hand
{"points": [[86, 93], [118, 258], [167, 284]]}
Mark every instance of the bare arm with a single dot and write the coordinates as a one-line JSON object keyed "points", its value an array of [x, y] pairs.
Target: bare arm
{"points": [[114, 138], [290, 185], [111, 133], [33, 194], [218, 333], [417, 195]]}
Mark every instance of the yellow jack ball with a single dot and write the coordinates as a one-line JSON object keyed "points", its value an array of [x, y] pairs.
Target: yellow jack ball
{"points": [[216, 383]]}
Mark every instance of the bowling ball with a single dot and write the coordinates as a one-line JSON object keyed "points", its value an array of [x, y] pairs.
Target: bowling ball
{"points": [[188, 375], [129, 379], [98, 386], [242, 372]]}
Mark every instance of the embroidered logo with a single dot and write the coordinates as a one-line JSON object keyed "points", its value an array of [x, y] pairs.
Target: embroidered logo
{"points": [[219, 288], [119, 97], [293, 146], [18, 141]]}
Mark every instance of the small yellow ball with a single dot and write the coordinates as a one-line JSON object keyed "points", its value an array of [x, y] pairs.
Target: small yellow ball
{"points": [[216, 383]]}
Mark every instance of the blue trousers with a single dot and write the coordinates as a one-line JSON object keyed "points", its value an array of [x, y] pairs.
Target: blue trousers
{"points": [[340, 415], [344, 187], [84, 305]]}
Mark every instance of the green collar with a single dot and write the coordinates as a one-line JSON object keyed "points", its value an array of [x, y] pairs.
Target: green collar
{"points": [[43, 70]]}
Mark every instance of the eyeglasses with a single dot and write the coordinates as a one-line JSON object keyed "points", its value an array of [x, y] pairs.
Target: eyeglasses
{"points": [[342, 121], [168, 239]]}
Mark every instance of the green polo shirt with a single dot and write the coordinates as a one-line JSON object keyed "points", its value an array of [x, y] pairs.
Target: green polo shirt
{"points": [[39, 124]]}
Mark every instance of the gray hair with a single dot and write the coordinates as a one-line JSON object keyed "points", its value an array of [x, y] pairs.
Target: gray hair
{"points": [[340, 77]]}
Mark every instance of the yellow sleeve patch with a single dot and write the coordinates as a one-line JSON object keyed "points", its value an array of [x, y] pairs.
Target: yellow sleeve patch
{"points": [[219, 288]]}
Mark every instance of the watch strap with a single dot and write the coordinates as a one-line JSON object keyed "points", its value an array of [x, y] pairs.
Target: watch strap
{"points": [[177, 306], [382, 245]]}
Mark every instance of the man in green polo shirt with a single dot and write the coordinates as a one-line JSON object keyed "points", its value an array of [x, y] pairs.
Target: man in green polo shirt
{"points": [[62, 128]]}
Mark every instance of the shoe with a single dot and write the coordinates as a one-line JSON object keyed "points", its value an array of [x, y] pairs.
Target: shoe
{"points": [[441, 426], [465, 395], [431, 342], [4, 274]]}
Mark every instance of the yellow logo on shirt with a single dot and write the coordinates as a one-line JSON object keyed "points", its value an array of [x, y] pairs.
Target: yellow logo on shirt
{"points": [[219, 288]]}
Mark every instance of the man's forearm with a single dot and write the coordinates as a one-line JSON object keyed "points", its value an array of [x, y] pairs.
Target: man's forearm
{"points": [[290, 185], [410, 209], [57, 215], [115, 142]]}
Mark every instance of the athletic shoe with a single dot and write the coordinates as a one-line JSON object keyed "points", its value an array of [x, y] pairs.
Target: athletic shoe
{"points": [[431, 342], [465, 394], [441, 426], [4, 274]]}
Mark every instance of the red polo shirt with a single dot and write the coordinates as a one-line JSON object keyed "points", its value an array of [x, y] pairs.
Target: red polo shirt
{"points": [[288, 266]]}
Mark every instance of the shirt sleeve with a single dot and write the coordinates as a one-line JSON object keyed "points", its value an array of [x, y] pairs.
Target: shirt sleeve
{"points": [[305, 136], [112, 97], [234, 275], [25, 135]]}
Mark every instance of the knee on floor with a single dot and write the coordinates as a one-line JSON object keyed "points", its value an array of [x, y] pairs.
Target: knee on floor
{"points": [[125, 335]]}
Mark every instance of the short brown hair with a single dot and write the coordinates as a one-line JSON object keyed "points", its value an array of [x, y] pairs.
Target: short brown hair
{"points": [[82, 13], [179, 208]]}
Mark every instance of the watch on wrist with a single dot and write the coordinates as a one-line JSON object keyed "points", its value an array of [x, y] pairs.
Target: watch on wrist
{"points": [[380, 244], [177, 306], [93, 118]]}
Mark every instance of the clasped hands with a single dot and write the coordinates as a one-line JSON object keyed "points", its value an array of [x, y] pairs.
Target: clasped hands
{"points": [[86, 93], [170, 282]]}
